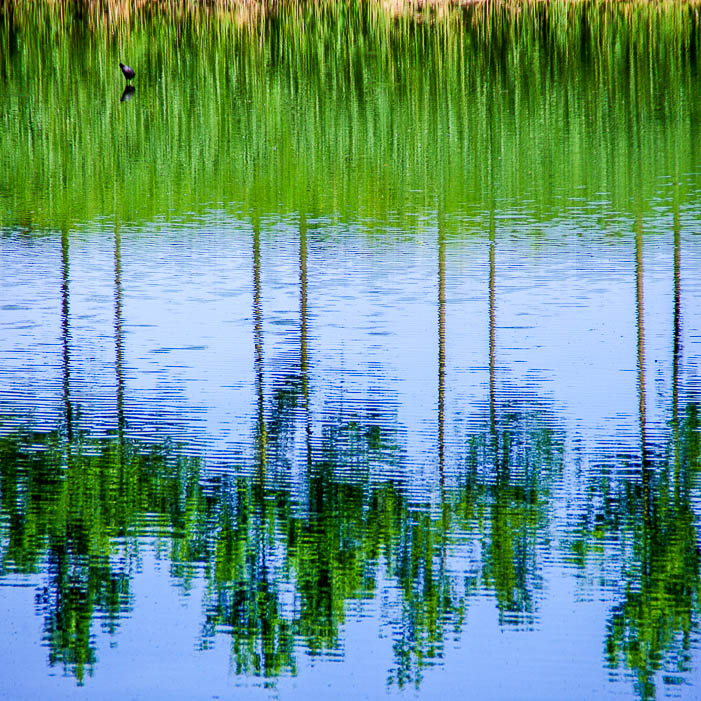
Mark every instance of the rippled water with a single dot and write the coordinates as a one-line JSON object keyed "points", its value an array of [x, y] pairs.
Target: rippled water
{"points": [[362, 362]]}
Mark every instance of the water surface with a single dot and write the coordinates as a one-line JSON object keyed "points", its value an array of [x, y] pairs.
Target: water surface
{"points": [[364, 358]]}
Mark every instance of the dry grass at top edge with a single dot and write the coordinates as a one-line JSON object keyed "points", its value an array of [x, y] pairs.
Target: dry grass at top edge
{"points": [[100, 13]]}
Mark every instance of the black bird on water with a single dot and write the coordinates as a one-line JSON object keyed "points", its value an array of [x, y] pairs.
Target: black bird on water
{"points": [[128, 72]]}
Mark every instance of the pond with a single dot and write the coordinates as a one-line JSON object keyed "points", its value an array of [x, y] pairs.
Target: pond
{"points": [[354, 355]]}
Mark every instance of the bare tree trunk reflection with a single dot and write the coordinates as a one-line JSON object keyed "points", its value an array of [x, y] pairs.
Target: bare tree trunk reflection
{"points": [[261, 433], [441, 354], [492, 336], [441, 397], [65, 334], [676, 347], [262, 585], [303, 335], [640, 317], [118, 334]]}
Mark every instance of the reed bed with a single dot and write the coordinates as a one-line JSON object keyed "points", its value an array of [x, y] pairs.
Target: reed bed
{"points": [[338, 110], [112, 15]]}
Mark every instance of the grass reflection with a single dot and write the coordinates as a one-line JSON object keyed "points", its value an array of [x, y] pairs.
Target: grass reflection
{"points": [[370, 119]]}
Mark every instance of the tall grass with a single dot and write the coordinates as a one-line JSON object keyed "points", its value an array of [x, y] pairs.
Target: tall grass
{"points": [[344, 110]]}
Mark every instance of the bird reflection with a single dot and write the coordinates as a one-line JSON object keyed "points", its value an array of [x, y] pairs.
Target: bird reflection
{"points": [[128, 93]]}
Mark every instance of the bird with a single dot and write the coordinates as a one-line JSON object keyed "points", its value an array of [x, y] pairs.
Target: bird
{"points": [[128, 72]]}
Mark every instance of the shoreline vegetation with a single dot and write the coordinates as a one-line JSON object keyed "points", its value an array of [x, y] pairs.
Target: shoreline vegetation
{"points": [[111, 14], [370, 118]]}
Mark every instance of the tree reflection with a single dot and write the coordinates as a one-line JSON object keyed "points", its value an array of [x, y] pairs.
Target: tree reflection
{"points": [[73, 503], [243, 595], [281, 573], [511, 466], [326, 511], [244, 592], [70, 521], [650, 628], [643, 511]]}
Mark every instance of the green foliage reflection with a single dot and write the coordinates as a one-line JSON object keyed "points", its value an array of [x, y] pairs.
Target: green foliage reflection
{"points": [[281, 572], [72, 510], [647, 530]]}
